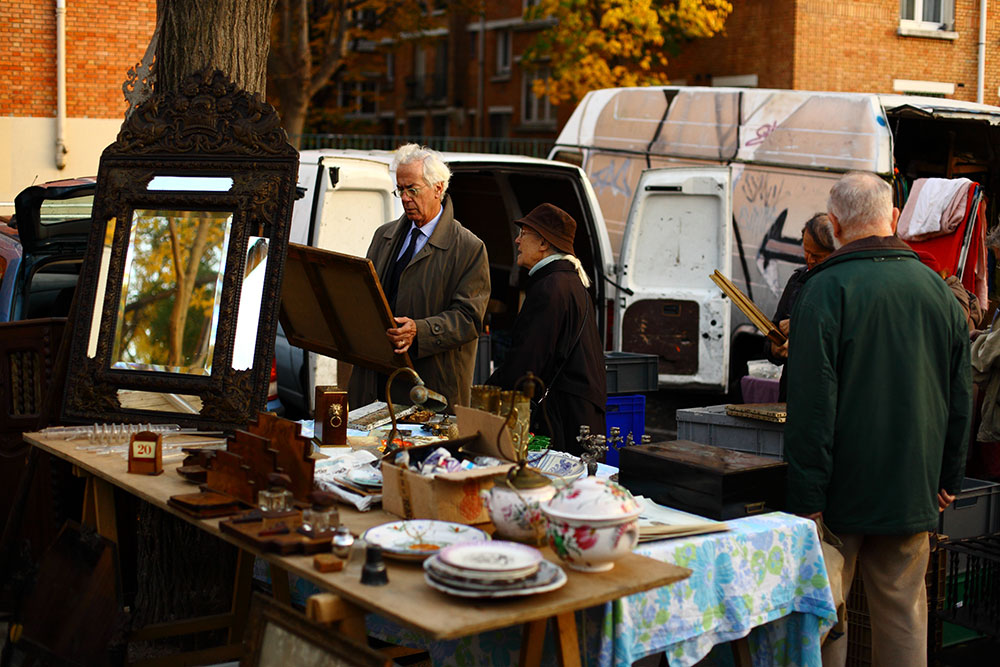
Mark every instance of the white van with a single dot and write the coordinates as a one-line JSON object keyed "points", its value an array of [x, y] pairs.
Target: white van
{"points": [[693, 179], [348, 196]]}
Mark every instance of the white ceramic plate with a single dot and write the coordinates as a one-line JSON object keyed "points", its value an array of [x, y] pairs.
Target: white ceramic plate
{"points": [[446, 572], [416, 539], [545, 573], [557, 465], [496, 556], [365, 476], [547, 569]]}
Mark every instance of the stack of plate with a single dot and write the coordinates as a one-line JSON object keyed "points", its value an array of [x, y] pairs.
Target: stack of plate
{"points": [[492, 570]]}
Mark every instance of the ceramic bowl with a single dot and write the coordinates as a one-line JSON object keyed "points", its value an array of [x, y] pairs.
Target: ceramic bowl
{"points": [[592, 523]]}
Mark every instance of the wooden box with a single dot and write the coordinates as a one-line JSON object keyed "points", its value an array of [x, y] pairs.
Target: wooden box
{"points": [[451, 496], [710, 481]]}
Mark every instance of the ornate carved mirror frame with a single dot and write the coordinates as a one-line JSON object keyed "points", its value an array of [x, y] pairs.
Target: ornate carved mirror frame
{"points": [[160, 237]]}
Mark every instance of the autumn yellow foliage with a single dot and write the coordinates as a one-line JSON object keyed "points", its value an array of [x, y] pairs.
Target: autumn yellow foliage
{"points": [[596, 44]]}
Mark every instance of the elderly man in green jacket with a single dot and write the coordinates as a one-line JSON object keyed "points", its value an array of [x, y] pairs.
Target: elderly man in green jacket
{"points": [[879, 410]]}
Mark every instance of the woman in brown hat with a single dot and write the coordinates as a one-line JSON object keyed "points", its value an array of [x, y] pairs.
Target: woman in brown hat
{"points": [[555, 334]]}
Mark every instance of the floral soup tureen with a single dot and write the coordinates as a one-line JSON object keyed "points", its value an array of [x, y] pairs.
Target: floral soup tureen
{"points": [[592, 523]]}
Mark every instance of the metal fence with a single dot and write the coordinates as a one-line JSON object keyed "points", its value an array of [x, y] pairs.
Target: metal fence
{"points": [[502, 145]]}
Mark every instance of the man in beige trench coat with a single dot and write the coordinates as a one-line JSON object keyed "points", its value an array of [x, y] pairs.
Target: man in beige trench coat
{"points": [[436, 277]]}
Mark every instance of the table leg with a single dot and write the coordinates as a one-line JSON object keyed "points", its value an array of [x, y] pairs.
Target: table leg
{"points": [[741, 652], [241, 596], [569, 643], [99, 506], [532, 641], [279, 585]]}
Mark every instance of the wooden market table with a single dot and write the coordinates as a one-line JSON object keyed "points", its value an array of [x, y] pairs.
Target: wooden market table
{"points": [[407, 600]]}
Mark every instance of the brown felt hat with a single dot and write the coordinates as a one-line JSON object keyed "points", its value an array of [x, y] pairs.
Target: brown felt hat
{"points": [[553, 224]]}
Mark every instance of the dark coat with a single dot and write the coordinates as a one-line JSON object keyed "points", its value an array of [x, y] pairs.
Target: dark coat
{"points": [[556, 306], [445, 289], [784, 311], [879, 391]]}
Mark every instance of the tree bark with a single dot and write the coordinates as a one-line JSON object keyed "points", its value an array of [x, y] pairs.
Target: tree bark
{"points": [[182, 571], [228, 35]]}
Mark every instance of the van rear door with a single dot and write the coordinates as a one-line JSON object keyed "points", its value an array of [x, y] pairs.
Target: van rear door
{"points": [[354, 199], [676, 235]]}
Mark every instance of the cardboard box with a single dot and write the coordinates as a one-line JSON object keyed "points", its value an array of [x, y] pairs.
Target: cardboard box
{"points": [[452, 496]]}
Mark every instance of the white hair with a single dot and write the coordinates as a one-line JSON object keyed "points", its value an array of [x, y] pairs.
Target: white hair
{"points": [[435, 169], [862, 204]]}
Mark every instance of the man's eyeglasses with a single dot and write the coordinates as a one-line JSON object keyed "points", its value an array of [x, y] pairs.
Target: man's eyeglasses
{"points": [[410, 192]]}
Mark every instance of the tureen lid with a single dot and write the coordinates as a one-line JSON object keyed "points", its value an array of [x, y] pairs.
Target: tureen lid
{"points": [[592, 499]]}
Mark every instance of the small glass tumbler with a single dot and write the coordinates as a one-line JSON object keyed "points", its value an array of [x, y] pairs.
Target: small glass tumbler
{"points": [[274, 500], [316, 519]]}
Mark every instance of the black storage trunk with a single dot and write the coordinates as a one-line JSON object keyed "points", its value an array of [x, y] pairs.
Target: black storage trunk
{"points": [[710, 481]]}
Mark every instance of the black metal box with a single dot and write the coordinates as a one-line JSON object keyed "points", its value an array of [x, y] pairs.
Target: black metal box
{"points": [[710, 481]]}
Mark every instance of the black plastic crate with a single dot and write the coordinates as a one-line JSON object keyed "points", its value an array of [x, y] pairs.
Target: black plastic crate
{"points": [[631, 372], [975, 512], [972, 584]]}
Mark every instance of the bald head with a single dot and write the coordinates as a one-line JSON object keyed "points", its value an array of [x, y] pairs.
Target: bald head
{"points": [[860, 205]]}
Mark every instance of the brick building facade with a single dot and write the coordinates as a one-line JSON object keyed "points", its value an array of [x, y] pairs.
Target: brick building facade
{"points": [[432, 85], [103, 39], [856, 46]]}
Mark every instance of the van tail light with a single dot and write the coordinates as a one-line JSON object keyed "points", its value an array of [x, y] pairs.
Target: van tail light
{"points": [[272, 387]]}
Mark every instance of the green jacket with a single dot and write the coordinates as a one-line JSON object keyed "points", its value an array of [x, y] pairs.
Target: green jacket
{"points": [[879, 391]]}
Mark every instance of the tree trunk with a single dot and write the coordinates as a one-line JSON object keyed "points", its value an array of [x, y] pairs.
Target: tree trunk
{"points": [[181, 570], [293, 118], [228, 35]]}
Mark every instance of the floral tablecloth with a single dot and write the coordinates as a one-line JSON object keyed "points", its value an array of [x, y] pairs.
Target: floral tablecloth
{"points": [[765, 576]]}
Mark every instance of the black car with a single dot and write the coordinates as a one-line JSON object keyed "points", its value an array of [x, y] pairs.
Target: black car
{"points": [[42, 249]]}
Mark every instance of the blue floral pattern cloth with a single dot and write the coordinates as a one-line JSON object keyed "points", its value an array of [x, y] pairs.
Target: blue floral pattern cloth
{"points": [[764, 577]]}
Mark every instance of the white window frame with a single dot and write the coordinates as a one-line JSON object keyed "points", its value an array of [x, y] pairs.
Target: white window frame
{"points": [[505, 52], [914, 87], [541, 111], [945, 22]]}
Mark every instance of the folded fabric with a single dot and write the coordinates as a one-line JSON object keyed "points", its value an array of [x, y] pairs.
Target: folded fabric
{"points": [[936, 206]]}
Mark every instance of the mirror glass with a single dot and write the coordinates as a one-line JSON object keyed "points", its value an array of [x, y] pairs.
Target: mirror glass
{"points": [[102, 281], [152, 401], [171, 291], [251, 295], [191, 183]]}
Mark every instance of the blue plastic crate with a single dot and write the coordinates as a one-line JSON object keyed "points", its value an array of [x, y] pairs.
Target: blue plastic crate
{"points": [[629, 414]]}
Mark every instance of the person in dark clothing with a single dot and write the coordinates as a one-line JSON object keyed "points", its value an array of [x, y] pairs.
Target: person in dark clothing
{"points": [[555, 333], [817, 244]]}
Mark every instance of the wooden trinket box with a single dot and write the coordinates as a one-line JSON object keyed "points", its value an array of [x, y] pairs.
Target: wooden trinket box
{"points": [[710, 481]]}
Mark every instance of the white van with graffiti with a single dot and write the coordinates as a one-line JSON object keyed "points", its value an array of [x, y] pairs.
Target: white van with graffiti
{"points": [[693, 179]]}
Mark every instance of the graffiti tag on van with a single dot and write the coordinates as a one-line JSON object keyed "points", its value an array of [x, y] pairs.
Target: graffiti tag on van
{"points": [[614, 178], [758, 189], [763, 132]]}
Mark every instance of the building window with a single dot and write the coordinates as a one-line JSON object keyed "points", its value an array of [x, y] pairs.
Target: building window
{"points": [[528, 4], [390, 66], [368, 98], [415, 126], [358, 97], [503, 52], [500, 125], [928, 88], [440, 126], [927, 14], [535, 110]]}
